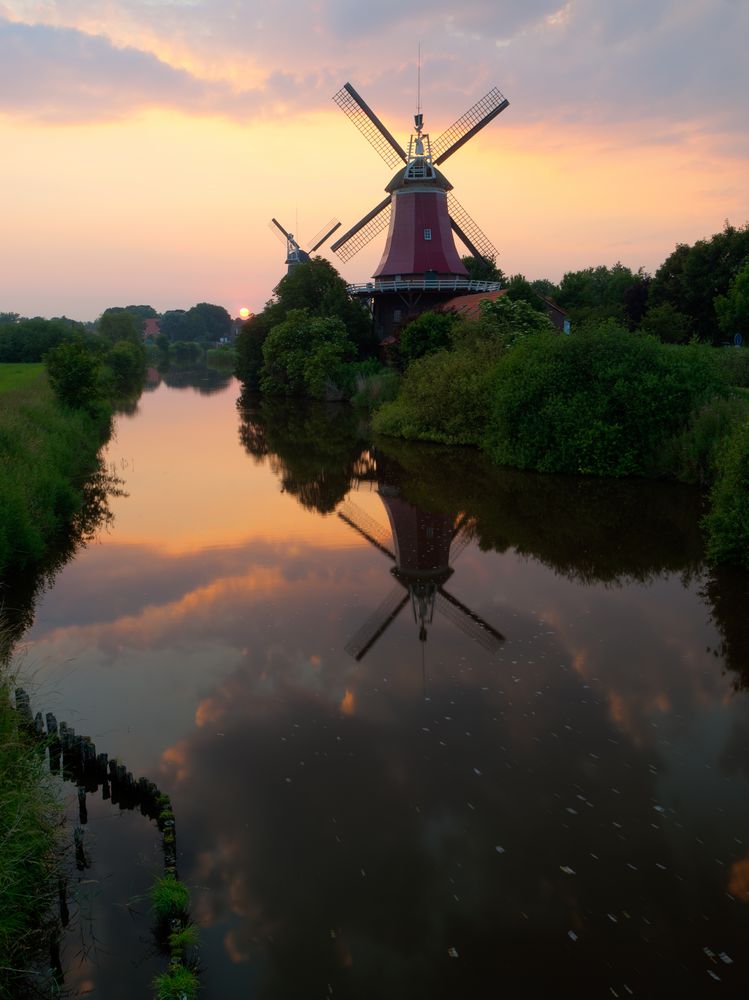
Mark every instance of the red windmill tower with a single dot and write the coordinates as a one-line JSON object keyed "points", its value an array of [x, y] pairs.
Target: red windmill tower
{"points": [[420, 265]]}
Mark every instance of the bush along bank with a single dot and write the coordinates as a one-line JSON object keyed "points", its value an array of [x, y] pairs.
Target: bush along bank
{"points": [[53, 421], [602, 402], [60, 750]]}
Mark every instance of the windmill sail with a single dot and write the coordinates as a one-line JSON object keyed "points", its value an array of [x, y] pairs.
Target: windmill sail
{"points": [[369, 125], [468, 125], [363, 232], [469, 231], [325, 233]]}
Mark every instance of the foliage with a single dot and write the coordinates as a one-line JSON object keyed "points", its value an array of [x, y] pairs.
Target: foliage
{"points": [[443, 396], [223, 358], [313, 287], [691, 455], [73, 371], [599, 293], [519, 289], [598, 402], [735, 363], [185, 351], [732, 309], [204, 323], [306, 355], [427, 333], [28, 846], [46, 453], [119, 325], [502, 321], [28, 340], [692, 277], [178, 983], [170, 898], [126, 362], [374, 384], [666, 323], [727, 523], [483, 269]]}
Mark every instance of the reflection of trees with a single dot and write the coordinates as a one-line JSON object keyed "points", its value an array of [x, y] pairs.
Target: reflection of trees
{"points": [[590, 530], [19, 591], [314, 448], [206, 380], [726, 593]]}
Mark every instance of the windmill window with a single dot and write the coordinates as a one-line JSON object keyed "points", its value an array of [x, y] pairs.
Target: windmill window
{"points": [[427, 234]]}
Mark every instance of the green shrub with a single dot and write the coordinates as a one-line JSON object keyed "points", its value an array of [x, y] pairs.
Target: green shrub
{"points": [[426, 334], [598, 402], [691, 455], [126, 361], [73, 370], [442, 397], [727, 524], [735, 363]]}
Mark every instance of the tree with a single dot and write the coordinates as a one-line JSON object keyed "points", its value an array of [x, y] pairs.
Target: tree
{"points": [[483, 268], [667, 324], [519, 289], [207, 322], [118, 324], [732, 309], [426, 333], [73, 369], [693, 277], [306, 355]]}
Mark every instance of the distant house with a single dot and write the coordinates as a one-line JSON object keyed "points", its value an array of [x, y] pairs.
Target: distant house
{"points": [[151, 327], [469, 306]]}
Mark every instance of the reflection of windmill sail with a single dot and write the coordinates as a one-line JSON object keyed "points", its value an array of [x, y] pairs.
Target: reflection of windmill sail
{"points": [[470, 623], [422, 544], [376, 624]]}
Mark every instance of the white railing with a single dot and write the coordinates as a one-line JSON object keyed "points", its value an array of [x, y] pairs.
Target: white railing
{"points": [[457, 284]]}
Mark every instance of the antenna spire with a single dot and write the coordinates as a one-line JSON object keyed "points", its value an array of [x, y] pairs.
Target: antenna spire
{"points": [[418, 117]]}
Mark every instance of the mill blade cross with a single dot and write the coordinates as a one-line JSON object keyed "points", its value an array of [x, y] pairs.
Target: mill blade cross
{"points": [[369, 125]]}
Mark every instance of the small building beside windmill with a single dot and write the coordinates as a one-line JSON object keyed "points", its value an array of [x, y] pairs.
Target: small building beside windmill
{"points": [[469, 307]]}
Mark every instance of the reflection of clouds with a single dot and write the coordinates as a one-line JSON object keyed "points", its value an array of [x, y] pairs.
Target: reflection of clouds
{"points": [[738, 880]]}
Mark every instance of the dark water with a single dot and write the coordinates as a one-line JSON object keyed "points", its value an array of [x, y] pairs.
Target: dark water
{"points": [[431, 729]]}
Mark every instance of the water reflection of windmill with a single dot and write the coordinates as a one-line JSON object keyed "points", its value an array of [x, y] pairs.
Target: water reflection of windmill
{"points": [[424, 543]]}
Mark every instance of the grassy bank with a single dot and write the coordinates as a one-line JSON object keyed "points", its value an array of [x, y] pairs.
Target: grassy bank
{"points": [[47, 452], [29, 820]]}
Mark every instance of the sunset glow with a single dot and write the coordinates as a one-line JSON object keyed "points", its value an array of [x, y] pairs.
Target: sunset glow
{"points": [[147, 146]]}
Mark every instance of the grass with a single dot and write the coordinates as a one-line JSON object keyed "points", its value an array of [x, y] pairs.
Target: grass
{"points": [[29, 813], [179, 983], [14, 377], [47, 452], [170, 898]]}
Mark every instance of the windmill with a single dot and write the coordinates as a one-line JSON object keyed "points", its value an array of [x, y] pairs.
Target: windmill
{"points": [[421, 550], [294, 253], [420, 265]]}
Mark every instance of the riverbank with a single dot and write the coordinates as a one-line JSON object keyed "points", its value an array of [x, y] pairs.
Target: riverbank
{"points": [[603, 402], [52, 494], [47, 454]]}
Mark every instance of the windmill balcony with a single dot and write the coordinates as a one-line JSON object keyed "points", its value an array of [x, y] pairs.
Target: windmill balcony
{"points": [[453, 284]]}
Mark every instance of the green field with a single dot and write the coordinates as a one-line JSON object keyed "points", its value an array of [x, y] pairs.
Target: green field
{"points": [[15, 376]]}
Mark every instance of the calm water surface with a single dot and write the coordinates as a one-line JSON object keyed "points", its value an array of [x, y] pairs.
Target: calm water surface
{"points": [[430, 729]]}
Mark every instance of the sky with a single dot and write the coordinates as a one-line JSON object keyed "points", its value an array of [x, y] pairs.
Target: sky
{"points": [[147, 143]]}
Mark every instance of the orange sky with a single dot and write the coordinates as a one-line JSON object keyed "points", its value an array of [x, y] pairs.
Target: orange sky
{"points": [[147, 145]]}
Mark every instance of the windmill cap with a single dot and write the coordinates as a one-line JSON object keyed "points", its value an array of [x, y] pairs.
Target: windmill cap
{"points": [[400, 181]]}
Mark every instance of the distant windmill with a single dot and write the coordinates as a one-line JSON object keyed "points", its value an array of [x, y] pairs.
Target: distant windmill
{"points": [[420, 265], [294, 253], [422, 543]]}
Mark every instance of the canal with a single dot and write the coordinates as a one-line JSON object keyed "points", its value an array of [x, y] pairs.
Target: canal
{"points": [[430, 728]]}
